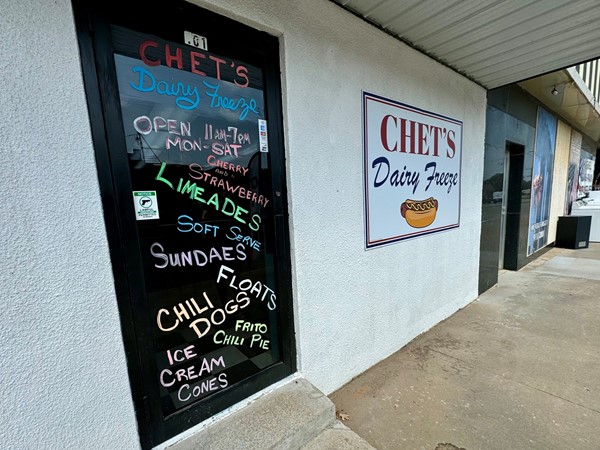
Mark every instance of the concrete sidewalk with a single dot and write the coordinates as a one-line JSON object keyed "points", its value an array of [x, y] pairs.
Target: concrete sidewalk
{"points": [[519, 368]]}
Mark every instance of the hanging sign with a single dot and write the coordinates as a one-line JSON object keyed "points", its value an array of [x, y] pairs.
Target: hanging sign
{"points": [[412, 162]]}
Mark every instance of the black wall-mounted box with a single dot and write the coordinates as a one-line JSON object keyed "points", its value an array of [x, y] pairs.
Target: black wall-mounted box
{"points": [[573, 232]]}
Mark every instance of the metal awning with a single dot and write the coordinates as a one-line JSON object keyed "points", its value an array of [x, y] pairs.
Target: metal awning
{"points": [[492, 42]]}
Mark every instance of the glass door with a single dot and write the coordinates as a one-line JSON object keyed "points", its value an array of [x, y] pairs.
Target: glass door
{"points": [[503, 212], [186, 115]]}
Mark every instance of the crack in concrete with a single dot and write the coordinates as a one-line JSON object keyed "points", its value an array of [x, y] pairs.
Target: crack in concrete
{"points": [[448, 446]]}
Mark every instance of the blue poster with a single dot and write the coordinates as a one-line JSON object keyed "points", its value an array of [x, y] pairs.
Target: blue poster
{"points": [[541, 183]]}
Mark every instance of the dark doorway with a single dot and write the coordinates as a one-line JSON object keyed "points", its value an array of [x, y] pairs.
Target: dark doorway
{"points": [[501, 208], [515, 155]]}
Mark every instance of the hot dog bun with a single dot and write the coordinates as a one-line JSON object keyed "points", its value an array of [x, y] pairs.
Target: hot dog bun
{"points": [[419, 213]]}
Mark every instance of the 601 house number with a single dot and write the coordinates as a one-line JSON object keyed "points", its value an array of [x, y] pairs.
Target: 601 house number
{"points": [[195, 40]]}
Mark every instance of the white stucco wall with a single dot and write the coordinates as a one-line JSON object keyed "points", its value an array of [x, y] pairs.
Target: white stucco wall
{"points": [[353, 307], [63, 373]]}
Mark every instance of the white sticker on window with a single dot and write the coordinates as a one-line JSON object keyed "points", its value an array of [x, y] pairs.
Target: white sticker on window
{"points": [[195, 40], [263, 137]]}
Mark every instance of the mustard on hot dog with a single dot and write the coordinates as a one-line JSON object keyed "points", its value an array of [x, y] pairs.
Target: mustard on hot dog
{"points": [[419, 213]]}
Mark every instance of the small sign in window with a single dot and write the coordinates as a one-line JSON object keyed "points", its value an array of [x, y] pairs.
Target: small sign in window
{"points": [[146, 205]]}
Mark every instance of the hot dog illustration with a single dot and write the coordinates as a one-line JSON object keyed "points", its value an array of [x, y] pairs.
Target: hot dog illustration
{"points": [[419, 213]]}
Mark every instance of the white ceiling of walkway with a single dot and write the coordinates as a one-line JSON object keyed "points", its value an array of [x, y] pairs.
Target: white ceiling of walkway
{"points": [[571, 99], [493, 42]]}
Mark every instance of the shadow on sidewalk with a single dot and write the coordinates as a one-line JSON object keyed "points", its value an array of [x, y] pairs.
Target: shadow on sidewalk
{"points": [[516, 369]]}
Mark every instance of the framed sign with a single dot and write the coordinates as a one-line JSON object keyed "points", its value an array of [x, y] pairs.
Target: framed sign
{"points": [[191, 121], [412, 163]]}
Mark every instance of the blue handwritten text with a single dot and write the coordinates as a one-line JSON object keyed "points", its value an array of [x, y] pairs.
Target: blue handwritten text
{"points": [[218, 101], [187, 96]]}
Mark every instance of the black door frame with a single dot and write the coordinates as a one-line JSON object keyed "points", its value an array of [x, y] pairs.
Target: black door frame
{"points": [[93, 31]]}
